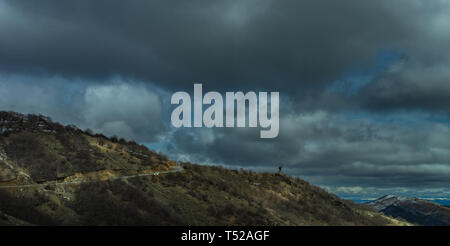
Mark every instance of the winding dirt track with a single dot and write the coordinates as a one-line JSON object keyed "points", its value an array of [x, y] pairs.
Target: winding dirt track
{"points": [[176, 169]]}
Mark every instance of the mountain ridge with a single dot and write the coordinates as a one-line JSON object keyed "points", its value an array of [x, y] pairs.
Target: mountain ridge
{"points": [[414, 210]]}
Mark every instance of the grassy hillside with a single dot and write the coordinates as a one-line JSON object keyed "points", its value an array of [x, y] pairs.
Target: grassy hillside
{"points": [[59, 175]]}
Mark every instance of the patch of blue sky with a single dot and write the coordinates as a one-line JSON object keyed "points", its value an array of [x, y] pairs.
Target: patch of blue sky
{"points": [[357, 77]]}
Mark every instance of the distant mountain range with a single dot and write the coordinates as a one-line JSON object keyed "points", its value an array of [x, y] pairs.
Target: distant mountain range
{"points": [[52, 174], [417, 211]]}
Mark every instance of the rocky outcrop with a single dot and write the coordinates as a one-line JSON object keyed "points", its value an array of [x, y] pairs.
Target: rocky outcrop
{"points": [[6, 173]]}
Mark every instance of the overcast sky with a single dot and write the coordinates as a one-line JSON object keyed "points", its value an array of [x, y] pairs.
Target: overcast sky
{"points": [[364, 85]]}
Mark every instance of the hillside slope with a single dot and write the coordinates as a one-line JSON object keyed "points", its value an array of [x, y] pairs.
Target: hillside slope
{"points": [[59, 175]]}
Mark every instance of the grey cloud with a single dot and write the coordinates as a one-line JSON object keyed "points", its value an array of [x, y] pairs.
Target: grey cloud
{"points": [[412, 86], [332, 149], [128, 110], [119, 107]]}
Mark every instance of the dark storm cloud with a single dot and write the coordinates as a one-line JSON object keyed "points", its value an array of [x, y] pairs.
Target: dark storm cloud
{"points": [[272, 44], [409, 86]]}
